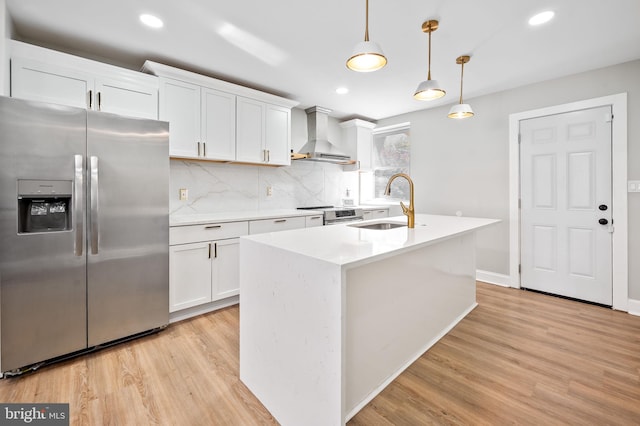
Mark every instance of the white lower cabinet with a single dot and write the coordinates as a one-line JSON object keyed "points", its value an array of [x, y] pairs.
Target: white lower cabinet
{"points": [[204, 261], [225, 269], [203, 272], [275, 225], [377, 213], [189, 276], [315, 220]]}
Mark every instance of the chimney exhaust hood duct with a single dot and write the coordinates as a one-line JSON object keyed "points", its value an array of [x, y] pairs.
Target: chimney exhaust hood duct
{"points": [[318, 147]]}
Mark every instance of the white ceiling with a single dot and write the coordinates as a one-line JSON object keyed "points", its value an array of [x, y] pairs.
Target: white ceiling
{"points": [[298, 48]]}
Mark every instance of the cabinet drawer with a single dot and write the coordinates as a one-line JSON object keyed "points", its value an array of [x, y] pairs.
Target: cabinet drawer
{"points": [[208, 232], [315, 220], [376, 213], [274, 225]]}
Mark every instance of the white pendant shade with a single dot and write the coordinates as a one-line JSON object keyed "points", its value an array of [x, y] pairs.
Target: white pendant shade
{"points": [[367, 56], [428, 90], [460, 111]]}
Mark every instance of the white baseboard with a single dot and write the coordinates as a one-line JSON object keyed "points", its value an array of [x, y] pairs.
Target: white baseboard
{"points": [[634, 307], [493, 278], [202, 309]]}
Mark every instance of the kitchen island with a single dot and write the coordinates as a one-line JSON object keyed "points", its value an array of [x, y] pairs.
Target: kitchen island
{"points": [[329, 316]]}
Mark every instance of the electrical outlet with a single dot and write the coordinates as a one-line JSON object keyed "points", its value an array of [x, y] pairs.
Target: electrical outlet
{"points": [[633, 186], [184, 194], [269, 191]]}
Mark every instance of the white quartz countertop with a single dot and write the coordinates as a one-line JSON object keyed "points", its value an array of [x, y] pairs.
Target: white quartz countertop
{"points": [[347, 245], [237, 216]]}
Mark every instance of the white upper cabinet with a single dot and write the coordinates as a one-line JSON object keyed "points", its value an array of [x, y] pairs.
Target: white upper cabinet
{"points": [[125, 97], [278, 135], [220, 121], [250, 131], [48, 76], [37, 81], [180, 106], [201, 120], [218, 124], [357, 136], [264, 133]]}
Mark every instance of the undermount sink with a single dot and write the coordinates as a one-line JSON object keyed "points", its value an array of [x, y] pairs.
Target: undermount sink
{"points": [[379, 225]]}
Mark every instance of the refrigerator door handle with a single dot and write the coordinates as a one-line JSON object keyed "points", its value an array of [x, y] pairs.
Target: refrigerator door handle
{"points": [[78, 202], [93, 211]]}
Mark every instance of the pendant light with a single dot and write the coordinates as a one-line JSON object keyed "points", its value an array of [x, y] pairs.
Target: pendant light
{"points": [[367, 55], [429, 89], [461, 110]]}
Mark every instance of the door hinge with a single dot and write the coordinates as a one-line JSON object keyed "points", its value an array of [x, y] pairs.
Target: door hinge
{"points": [[519, 138], [520, 268], [608, 117], [519, 203]]}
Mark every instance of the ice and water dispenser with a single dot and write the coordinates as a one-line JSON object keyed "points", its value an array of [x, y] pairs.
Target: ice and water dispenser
{"points": [[44, 206]]}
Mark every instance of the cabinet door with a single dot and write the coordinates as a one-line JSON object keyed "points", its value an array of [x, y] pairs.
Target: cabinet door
{"points": [[189, 275], [380, 213], [128, 98], [180, 106], [43, 82], [250, 131], [277, 135], [225, 268], [218, 124]]}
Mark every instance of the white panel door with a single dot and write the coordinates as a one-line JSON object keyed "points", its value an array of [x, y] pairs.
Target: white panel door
{"points": [[180, 106], [189, 275], [42, 82], [225, 268], [132, 99], [566, 222], [250, 131], [218, 124], [277, 135]]}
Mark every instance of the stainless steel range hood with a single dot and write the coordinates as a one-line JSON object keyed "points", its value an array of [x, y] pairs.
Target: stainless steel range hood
{"points": [[318, 147]]}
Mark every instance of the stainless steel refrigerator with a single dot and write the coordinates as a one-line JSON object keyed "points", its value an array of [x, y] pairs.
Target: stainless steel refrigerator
{"points": [[84, 230]]}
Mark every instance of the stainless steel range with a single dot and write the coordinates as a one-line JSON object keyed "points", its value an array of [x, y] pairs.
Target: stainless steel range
{"points": [[337, 215]]}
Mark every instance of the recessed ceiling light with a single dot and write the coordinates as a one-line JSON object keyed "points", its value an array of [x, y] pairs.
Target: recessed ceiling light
{"points": [[151, 21], [342, 90], [541, 18]]}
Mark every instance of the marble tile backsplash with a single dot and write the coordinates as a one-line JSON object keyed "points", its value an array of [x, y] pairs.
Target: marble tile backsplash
{"points": [[216, 187]]}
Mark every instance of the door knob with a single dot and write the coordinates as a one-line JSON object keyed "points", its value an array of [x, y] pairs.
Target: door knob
{"points": [[603, 221], [603, 207]]}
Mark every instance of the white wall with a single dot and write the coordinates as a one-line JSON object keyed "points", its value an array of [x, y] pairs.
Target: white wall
{"points": [[464, 165]]}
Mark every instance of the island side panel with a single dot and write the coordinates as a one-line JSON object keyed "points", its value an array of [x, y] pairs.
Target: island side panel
{"points": [[291, 334], [399, 307]]}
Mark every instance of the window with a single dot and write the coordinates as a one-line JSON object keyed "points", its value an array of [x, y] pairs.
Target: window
{"points": [[390, 154]]}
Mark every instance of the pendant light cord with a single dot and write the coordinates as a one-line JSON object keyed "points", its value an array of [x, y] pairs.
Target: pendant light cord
{"points": [[429, 72], [366, 28], [461, 79]]}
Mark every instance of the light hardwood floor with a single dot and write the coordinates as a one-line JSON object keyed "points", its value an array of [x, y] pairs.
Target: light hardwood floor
{"points": [[518, 358]]}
